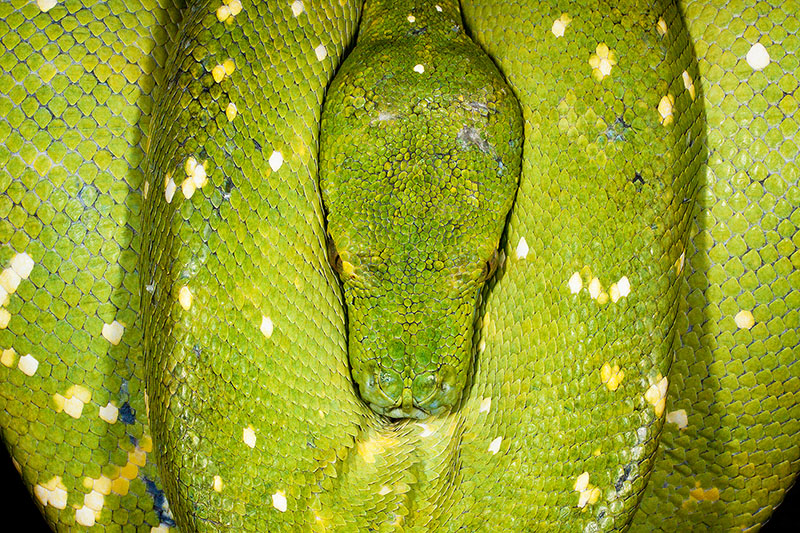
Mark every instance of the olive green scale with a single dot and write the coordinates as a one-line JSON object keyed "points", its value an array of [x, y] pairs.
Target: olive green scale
{"points": [[162, 223]]}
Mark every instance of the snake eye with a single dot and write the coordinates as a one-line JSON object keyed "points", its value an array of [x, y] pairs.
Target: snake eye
{"points": [[489, 267], [333, 256]]}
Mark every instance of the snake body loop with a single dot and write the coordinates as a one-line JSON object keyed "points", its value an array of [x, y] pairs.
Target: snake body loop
{"points": [[633, 358]]}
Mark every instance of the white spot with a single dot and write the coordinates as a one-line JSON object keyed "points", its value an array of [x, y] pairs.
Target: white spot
{"points": [[494, 446], [678, 418], [275, 160], [412, 18], [679, 263], [582, 482], [8, 356], [384, 490], [279, 501], [758, 57], [113, 332], [624, 286], [249, 436], [744, 320], [109, 413], [522, 248], [9, 280], [560, 25], [267, 326], [146, 189], [235, 7], [665, 106], [185, 298], [426, 431], [45, 6], [419, 67], [5, 318], [595, 288], [28, 364], [162, 528], [169, 189], [297, 8], [188, 188], [486, 405], [94, 501], [85, 516], [54, 493], [199, 176], [438, 8], [223, 12], [217, 484], [22, 264], [656, 395], [190, 165], [321, 52], [575, 283]]}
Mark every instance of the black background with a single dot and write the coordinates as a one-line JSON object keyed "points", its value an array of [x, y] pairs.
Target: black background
{"points": [[17, 504]]}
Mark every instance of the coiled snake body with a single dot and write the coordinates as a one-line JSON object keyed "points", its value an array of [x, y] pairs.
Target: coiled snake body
{"points": [[633, 360]]}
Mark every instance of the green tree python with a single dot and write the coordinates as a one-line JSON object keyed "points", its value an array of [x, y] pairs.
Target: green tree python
{"points": [[186, 259]]}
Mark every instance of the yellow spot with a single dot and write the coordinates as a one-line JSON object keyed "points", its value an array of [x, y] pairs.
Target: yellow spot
{"points": [[602, 298], [376, 445], [665, 109], [611, 376], [486, 405], [73, 400], [744, 320], [9, 280], [575, 283], [758, 57], [113, 332], [698, 494], [249, 436], [5, 318], [678, 418], [169, 188], [218, 484], [185, 298], [662, 26], [275, 160], [656, 395], [597, 452], [146, 189], [230, 111], [688, 84], [223, 13], [419, 67], [120, 486], [45, 6], [229, 66], [560, 25], [522, 248], [321, 52], [218, 72], [412, 18], [162, 528], [595, 288], [297, 8], [384, 490], [347, 268], [266, 326], [588, 494], [494, 446], [199, 176], [109, 413], [28, 364], [8, 357], [279, 501], [54, 493], [602, 61]]}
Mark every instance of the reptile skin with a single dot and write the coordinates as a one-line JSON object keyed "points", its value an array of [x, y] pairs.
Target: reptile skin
{"points": [[171, 327]]}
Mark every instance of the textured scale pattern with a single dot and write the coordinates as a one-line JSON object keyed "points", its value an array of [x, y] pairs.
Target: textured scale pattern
{"points": [[161, 222]]}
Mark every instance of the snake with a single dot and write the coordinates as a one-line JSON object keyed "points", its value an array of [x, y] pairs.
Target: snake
{"points": [[294, 265]]}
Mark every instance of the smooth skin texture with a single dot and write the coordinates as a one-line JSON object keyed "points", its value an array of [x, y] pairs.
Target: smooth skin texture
{"points": [[655, 221]]}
